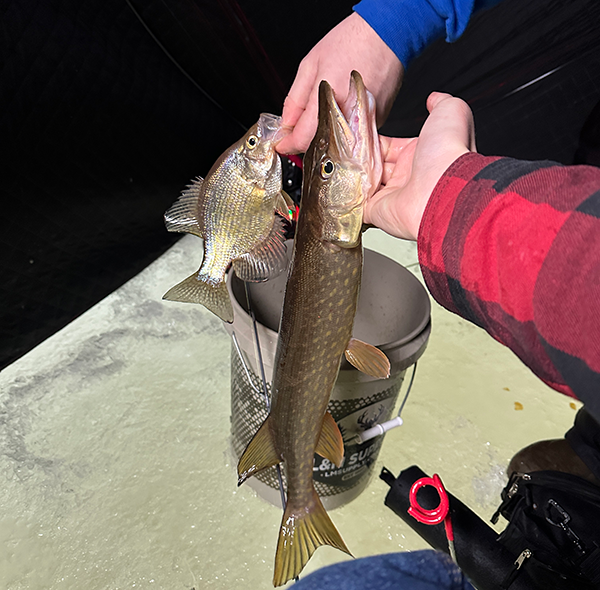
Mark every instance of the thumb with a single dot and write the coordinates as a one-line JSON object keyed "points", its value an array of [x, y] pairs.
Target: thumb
{"points": [[453, 116]]}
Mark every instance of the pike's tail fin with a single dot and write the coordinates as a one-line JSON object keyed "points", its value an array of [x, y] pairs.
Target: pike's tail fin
{"points": [[299, 536], [214, 297]]}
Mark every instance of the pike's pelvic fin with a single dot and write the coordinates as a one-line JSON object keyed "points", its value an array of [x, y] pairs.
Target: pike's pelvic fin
{"points": [[259, 454], [214, 297], [184, 214], [268, 259], [299, 536], [368, 359], [331, 444]]}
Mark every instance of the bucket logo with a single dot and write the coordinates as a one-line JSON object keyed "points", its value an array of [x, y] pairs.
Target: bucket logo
{"points": [[358, 458], [367, 419]]}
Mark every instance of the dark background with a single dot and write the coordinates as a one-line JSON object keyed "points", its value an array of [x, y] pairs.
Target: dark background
{"points": [[108, 108]]}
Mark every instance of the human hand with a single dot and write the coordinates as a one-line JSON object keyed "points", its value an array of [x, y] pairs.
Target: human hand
{"points": [[351, 45], [413, 166]]}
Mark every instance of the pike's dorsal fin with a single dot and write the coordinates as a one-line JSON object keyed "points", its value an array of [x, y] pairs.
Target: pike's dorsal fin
{"points": [[331, 444], [259, 454], [184, 214], [194, 290], [368, 359], [285, 205], [300, 535], [268, 259]]}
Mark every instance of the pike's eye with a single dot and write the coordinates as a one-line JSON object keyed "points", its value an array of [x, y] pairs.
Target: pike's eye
{"points": [[327, 168], [252, 142]]}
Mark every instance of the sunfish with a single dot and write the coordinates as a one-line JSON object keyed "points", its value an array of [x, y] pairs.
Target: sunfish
{"points": [[240, 211]]}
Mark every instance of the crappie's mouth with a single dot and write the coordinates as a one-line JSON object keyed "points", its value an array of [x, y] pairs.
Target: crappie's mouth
{"points": [[270, 128]]}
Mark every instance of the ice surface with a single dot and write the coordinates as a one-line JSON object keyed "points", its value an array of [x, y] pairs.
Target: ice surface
{"points": [[115, 466]]}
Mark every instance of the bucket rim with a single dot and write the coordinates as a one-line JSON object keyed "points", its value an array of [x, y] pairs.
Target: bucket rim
{"points": [[423, 324]]}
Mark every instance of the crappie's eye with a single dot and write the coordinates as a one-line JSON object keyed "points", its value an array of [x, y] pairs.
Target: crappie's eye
{"points": [[252, 142], [327, 168]]}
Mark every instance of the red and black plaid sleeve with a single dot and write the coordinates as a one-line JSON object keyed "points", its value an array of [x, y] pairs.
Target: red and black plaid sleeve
{"points": [[514, 247]]}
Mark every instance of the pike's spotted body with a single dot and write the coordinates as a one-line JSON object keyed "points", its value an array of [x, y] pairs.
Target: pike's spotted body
{"points": [[321, 304], [342, 166]]}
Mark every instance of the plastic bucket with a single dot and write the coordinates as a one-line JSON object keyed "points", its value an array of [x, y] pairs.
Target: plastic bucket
{"points": [[393, 314]]}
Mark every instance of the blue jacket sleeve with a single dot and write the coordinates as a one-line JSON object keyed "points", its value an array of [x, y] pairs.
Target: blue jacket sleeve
{"points": [[408, 26]]}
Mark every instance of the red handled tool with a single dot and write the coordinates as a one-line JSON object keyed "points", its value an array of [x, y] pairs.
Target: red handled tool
{"points": [[436, 515]]}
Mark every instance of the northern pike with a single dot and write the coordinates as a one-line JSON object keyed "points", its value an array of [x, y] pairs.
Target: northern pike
{"points": [[240, 211], [341, 168]]}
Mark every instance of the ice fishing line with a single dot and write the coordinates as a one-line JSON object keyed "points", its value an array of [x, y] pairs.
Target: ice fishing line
{"points": [[244, 365], [181, 69], [264, 383]]}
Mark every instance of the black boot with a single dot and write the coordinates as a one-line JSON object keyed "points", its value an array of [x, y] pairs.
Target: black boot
{"points": [[578, 453]]}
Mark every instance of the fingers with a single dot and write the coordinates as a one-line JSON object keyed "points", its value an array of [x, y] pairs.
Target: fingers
{"points": [[435, 98], [394, 149], [300, 108], [307, 113], [298, 141], [397, 161], [292, 111], [450, 119], [391, 147], [300, 92]]}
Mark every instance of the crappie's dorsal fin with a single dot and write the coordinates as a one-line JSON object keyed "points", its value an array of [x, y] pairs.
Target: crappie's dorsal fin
{"points": [[268, 259], [214, 297], [331, 443], [368, 359], [259, 454], [300, 535], [285, 205], [184, 214]]}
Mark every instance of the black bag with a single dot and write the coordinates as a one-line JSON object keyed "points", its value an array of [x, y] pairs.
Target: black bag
{"points": [[553, 528]]}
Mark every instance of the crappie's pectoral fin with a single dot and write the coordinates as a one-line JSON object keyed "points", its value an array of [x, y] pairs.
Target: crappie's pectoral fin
{"points": [[299, 536], [368, 359], [259, 454], [184, 214], [331, 443], [285, 205], [267, 260], [214, 297]]}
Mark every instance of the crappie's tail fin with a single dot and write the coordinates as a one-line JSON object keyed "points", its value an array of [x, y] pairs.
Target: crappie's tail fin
{"points": [[214, 297], [299, 536]]}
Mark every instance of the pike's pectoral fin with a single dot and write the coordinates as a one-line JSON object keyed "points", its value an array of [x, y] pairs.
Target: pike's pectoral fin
{"points": [[259, 454], [331, 443], [214, 297], [184, 213], [368, 359], [299, 536], [268, 259]]}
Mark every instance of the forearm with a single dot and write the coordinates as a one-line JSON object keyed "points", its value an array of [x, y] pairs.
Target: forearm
{"points": [[514, 247], [408, 26]]}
